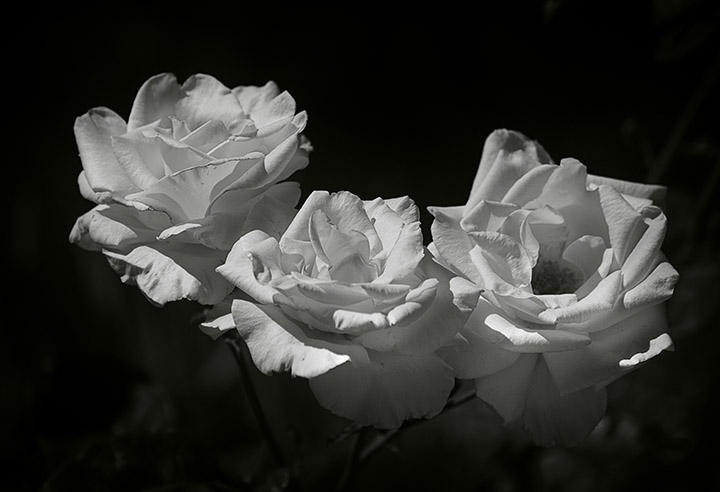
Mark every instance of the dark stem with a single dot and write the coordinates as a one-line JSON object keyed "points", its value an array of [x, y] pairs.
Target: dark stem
{"points": [[352, 460], [383, 439], [237, 349]]}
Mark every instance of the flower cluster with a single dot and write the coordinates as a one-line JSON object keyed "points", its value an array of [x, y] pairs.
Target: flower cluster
{"points": [[544, 287]]}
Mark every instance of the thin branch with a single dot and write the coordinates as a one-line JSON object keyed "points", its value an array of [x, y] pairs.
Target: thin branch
{"points": [[382, 440], [237, 349], [352, 460]]}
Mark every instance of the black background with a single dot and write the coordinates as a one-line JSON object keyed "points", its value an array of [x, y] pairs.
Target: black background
{"points": [[102, 391]]}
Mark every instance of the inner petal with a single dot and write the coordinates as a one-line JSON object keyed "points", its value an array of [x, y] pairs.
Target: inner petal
{"points": [[346, 253]]}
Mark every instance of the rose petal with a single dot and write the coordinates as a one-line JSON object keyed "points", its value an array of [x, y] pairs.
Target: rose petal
{"points": [[432, 324], [597, 302], [586, 253], [566, 192], [506, 390], [207, 136], [526, 397], [219, 318], [333, 245], [139, 157], [465, 294], [486, 216], [506, 157], [116, 227], [93, 132], [405, 208], [252, 97], [165, 273], [513, 337], [154, 101], [600, 360], [453, 244], [406, 254], [205, 98], [388, 224], [188, 194], [476, 357], [625, 225], [386, 390], [252, 263], [277, 344], [502, 263], [645, 254], [275, 112], [654, 193], [552, 418], [530, 185], [656, 287], [275, 210]]}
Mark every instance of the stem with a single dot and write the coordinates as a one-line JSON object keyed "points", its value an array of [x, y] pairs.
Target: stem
{"points": [[238, 352], [352, 460], [385, 438]]}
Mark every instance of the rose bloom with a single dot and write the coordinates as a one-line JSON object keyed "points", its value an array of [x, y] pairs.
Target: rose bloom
{"points": [[176, 183], [565, 281], [349, 298]]}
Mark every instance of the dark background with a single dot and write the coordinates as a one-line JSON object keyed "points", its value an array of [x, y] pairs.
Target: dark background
{"points": [[102, 391]]}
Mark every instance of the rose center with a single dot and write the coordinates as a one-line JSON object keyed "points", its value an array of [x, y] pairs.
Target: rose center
{"points": [[555, 277]]}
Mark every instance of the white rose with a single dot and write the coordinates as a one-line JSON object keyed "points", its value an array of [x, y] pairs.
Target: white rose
{"points": [[565, 280], [349, 298], [175, 185]]}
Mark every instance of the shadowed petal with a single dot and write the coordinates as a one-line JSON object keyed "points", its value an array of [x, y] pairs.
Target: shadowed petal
{"points": [[601, 360], [165, 273], [386, 390]]}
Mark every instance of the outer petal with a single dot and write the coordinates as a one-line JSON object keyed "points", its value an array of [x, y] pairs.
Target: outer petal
{"points": [[625, 225], [601, 360], [526, 397], [204, 99], [219, 319], [387, 389], [116, 227], [476, 357], [563, 419], [507, 155], [654, 193], [252, 97], [93, 132], [165, 273], [154, 101], [277, 344], [506, 390]]}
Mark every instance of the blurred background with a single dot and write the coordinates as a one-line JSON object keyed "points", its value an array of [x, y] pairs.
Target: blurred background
{"points": [[102, 391]]}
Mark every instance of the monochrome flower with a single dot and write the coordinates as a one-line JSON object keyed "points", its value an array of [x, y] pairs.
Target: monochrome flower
{"points": [[176, 184], [349, 298], [564, 279]]}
